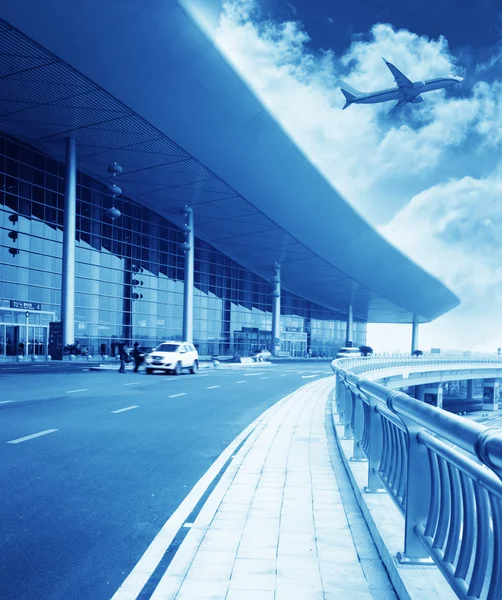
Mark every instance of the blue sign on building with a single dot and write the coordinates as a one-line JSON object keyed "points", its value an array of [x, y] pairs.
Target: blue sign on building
{"points": [[25, 305]]}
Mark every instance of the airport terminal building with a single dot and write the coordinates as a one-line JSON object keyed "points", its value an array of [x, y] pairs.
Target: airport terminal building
{"points": [[129, 274], [147, 194]]}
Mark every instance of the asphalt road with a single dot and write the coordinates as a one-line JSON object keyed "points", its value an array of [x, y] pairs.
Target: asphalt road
{"points": [[80, 504]]}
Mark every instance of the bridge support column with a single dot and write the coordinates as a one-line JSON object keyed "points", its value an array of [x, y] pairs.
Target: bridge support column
{"points": [[433, 394], [420, 392], [491, 394], [414, 334], [469, 395]]}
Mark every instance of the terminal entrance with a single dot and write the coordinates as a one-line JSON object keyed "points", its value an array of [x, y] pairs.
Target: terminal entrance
{"points": [[294, 344], [23, 339], [24, 333]]}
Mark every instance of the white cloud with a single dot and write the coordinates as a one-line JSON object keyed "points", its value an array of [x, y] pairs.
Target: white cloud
{"points": [[427, 176]]}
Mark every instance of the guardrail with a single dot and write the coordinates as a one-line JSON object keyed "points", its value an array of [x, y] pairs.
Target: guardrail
{"points": [[442, 471], [374, 363]]}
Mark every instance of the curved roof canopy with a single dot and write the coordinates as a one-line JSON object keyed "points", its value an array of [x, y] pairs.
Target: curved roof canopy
{"points": [[140, 84]]}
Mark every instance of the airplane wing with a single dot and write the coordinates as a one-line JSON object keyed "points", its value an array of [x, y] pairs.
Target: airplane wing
{"points": [[399, 105], [399, 78]]}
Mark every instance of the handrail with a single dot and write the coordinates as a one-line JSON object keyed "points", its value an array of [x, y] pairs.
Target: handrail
{"points": [[442, 471]]}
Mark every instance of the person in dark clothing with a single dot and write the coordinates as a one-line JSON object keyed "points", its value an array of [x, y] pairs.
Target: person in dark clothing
{"points": [[136, 354], [114, 346], [123, 356], [103, 351]]}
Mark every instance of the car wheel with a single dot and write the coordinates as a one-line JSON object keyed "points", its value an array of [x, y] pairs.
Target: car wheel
{"points": [[177, 369], [194, 368], [149, 371]]}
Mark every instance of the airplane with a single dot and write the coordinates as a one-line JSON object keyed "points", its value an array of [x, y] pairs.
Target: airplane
{"points": [[406, 90]]}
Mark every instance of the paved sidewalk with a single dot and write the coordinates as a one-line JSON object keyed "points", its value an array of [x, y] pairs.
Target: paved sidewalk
{"points": [[277, 526]]}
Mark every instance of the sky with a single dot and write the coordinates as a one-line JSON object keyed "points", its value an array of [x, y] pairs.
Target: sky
{"points": [[429, 177]]}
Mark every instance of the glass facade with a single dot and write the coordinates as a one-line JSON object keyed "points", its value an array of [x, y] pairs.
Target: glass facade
{"points": [[129, 274]]}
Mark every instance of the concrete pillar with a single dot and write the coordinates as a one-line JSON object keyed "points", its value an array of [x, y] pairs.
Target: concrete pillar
{"points": [[491, 394], [69, 226], [420, 392], [276, 310], [470, 392], [350, 328], [433, 394], [188, 248], [414, 334]]}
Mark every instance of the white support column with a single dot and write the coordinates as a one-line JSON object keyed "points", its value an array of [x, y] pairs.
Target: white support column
{"points": [[414, 334], [491, 394], [188, 248], [350, 327], [276, 310], [434, 393], [69, 227]]}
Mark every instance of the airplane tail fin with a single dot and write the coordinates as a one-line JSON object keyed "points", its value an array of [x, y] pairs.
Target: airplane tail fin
{"points": [[349, 98]]}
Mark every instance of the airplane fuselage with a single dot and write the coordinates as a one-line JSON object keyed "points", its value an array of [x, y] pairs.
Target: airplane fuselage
{"points": [[407, 92]]}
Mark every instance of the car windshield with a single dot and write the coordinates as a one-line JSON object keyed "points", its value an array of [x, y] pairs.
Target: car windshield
{"points": [[167, 348]]}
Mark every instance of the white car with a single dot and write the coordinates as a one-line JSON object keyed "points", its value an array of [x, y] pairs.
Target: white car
{"points": [[348, 352], [173, 357]]}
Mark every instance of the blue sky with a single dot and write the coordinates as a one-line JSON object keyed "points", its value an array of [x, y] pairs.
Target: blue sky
{"points": [[467, 24], [428, 178]]}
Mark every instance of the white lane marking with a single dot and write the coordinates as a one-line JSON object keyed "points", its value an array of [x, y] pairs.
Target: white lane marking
{"points": [[123, 409], [212, 387], [188, 524], [264, 377], [241, 381], [30, 437], [141, 573], [253, 374], [133, 383], [309, 376], [6, 402], [176, 395], [75, 391]]}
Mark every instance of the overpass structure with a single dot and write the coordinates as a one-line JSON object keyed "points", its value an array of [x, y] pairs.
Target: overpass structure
{"points": [[440, 474], [143, 87]]}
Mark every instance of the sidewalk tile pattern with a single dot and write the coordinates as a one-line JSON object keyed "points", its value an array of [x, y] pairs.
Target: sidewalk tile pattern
{"points": [[274, 528]]}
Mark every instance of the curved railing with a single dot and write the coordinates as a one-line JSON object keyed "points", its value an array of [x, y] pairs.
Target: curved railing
{"points": [[374, 363], [442, 471]]}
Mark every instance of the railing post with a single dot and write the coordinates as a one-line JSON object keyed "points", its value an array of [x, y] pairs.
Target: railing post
{"points": [[375, 450], [340, 399], [418, 489], [338, 392], [358, 431], [347, 421]]}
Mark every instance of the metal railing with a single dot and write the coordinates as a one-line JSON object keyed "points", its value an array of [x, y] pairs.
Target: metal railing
{"points": [[374, 363], [442, 471]]}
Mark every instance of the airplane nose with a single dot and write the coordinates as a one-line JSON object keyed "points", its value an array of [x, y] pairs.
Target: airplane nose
{"points": [[459, 79]]}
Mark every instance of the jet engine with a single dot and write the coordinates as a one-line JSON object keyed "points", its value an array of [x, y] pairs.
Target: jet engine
{"points": [[417, 99], [418, 85]]}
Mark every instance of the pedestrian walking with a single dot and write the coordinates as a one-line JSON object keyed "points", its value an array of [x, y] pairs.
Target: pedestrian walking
{"points": [[136, 354], [123, 356], [103, 351]]}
